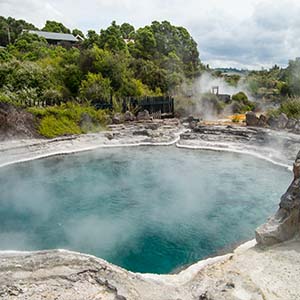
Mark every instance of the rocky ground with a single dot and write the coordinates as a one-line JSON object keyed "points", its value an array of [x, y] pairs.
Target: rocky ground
{"points": [[160, 132], [248, 273], [279, 122], [277, 146], [253, 272]]}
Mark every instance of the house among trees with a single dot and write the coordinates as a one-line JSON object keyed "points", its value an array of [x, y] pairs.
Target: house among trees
{"points": [[54, 38]]}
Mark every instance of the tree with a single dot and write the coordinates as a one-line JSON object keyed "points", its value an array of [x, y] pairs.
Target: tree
{"points": [[76, 32], [151, 74], [72, 77], [111, 38], [127, 31], [53, 26], [157, 62], [145, 43], [92, 39], [11, 29], [158, 41], [95, 88], [28, 42]]}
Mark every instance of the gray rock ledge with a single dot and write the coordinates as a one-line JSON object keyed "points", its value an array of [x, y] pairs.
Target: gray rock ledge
{"points": [[285, 224]]}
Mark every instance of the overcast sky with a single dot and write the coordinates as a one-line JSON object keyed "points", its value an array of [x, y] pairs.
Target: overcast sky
{"points": [[237, 33]]}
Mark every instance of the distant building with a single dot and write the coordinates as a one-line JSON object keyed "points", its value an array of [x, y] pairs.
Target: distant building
{"points": [[53, 38], [223, 97]]}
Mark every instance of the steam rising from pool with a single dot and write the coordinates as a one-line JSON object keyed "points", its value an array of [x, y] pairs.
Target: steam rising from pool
{"points": [[146, 209]]}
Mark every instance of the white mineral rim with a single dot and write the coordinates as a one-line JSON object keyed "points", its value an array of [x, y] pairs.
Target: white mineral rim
{"points": [[248, 273]]}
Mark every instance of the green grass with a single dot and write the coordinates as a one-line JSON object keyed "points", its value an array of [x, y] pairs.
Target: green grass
{"points": [[69, 118], [51, 127]]}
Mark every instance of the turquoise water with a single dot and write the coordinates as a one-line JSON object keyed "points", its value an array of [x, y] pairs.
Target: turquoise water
{"points": [[148, 209]]}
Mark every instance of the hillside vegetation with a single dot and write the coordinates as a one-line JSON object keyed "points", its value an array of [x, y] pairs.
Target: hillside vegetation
{"points": [[111, 64], [122, 61]]}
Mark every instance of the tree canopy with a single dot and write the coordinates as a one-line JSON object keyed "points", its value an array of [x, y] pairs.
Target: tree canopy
{"points": [[119, 60], [53, 26]]}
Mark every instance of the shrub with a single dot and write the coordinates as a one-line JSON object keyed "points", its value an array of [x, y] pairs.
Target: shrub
{"points": [[291, 108], [52, 126], [51, 96], [69, 118], [6, 96], [241, 103], [5, 99], [240, 97], [274, 113]]}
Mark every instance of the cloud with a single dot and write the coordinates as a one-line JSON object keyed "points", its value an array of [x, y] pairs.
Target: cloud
{"points": [[248, 33], [34, 11], [269, 35]]}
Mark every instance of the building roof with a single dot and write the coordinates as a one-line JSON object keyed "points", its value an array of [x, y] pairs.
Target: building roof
{"points": [[55, 36]]}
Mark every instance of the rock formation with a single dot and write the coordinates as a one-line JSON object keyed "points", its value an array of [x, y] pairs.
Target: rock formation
{"points": [[129, 116], [281, 122], [143, 115], [16, 123], [251, 119], [286, 223]]}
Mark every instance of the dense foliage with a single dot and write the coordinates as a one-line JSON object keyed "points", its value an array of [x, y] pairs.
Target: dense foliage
{"points": [[291, 108], [276, 83], [119, 61], [116, 62]]}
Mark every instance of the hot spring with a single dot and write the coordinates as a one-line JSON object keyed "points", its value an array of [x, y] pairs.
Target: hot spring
{"points": [[147, 209]]}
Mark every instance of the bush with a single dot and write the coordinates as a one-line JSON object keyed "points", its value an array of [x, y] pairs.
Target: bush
{"points": [[240, 97], [241, 103], [5, 98], [52, 126], [274, 113], [52, 96], [291, 108], [69, 118]]}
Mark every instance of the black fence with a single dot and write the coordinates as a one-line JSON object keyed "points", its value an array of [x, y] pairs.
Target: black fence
{"points": [[161, 104]]}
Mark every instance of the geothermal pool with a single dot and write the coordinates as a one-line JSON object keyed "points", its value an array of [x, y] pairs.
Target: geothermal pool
{"points": [[147, 209]]}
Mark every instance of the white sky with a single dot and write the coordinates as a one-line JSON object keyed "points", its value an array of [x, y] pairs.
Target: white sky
{"points": [[238, 33]]}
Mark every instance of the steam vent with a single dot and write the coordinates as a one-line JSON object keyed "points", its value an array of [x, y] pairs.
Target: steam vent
{"points": [[285, 224]]}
